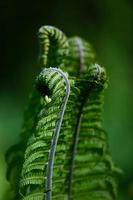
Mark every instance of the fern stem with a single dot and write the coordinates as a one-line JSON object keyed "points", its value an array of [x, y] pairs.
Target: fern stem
{"points": [[80, 54], [75, 144], [74, 151], [49, 171]]}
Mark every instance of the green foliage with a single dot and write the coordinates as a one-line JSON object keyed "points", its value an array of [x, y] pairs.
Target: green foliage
{"points": [[63, 151]]}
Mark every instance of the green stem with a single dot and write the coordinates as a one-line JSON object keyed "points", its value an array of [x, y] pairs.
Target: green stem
{"points": [[49, 171]]}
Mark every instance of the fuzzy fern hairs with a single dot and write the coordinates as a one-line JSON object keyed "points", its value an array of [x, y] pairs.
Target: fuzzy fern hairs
{"points": [[63, 151]]}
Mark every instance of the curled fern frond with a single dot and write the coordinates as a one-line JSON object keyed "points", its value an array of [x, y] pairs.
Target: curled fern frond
{"points": [[40, 152], [90, 147], [81, 55], [53, 46]]}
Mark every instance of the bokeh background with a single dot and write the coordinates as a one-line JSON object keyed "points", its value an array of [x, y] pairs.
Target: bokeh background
{"points": [[108, 26]]}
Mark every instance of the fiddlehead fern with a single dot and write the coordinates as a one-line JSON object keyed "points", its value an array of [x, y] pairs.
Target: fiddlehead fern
{"points": [[53, 46], [94, 173], [81, 55], [75, 163], [40, 152]]}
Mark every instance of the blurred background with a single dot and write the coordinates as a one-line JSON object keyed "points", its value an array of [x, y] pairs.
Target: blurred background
{"points": [[108, 26]]}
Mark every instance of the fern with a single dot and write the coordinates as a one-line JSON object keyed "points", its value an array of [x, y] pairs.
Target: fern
{"points": [[63, 151]]}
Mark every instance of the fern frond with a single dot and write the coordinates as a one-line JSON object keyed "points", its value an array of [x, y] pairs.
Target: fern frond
{"points": [[53, 46], [81, 55], [97, 148], [40, 150]]}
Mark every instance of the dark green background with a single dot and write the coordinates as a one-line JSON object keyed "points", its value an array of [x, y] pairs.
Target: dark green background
{"points": [[108, 26]]}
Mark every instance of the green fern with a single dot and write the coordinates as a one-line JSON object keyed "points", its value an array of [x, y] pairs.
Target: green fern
{"points": [[63, 151]]}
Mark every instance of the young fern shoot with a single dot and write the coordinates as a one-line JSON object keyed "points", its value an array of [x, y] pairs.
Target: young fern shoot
{"points": [[63, 151]]}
